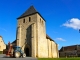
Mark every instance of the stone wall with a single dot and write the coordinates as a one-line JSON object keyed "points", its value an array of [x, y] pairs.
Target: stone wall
{"points": [[33, 42], [41, 38], [2, 44], [26, 31], [52, 49], [49, 47], [55, 50]]}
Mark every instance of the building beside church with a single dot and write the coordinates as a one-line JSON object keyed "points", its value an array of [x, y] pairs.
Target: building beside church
{"points": [[70, 51], [31, 36], [2, 44]]}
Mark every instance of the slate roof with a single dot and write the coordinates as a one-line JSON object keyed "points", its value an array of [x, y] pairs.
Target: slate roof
{"points": [[30, 11], [70, 48], [1, 36], [49, 37], [14, 42]]}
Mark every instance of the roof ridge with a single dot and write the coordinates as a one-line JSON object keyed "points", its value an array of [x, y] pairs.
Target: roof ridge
{"points": [[70, 45], [29, 11]]}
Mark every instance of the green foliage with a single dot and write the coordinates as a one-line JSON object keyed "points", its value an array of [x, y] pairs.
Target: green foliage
{"points": [[78, 58], [1, 52]]}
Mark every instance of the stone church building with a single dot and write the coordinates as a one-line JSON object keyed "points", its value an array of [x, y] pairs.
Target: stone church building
{"points": [[31, 35]]}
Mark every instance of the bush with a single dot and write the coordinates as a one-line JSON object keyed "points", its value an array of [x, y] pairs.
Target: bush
{"points": [[1, 52]]}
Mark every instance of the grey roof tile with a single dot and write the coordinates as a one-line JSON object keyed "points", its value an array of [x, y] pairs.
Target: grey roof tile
{"points": [[30, 11]]}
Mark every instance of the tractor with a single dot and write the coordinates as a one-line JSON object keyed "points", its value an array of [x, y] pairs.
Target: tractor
{"points": [[15, 51]]}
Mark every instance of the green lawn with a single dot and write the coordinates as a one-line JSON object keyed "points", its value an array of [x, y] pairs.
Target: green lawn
{"points": [[58, 58]]}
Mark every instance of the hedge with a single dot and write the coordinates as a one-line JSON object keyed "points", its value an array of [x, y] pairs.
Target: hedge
{"points": [[1, 52]]}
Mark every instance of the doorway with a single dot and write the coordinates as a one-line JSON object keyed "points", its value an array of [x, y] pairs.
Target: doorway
{"points": [[27, 51]]}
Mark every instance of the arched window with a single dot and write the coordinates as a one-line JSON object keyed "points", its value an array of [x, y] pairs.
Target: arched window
{"points": [[23, 20]]}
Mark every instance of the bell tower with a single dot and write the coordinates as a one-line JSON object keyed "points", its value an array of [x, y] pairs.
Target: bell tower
{"points": [[31, 33]]}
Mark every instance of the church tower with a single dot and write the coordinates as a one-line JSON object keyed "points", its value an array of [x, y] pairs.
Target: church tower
{"points": [[31, 33]]}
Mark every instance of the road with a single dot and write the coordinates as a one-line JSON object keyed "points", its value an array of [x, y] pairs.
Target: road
{"points": [[2, 57]]}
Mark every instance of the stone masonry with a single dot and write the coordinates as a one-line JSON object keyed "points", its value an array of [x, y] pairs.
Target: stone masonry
{"points": [[2, 44], [32, 37]]}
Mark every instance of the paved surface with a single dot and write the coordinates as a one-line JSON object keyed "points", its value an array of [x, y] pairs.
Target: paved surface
{"points": [[2, 57]]}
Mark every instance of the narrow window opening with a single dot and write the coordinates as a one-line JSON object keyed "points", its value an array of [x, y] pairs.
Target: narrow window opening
{"points": [[29, 19], [23, 20], [42, 22], [40, 19]]}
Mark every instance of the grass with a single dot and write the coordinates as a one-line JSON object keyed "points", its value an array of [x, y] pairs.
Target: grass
{"points": [[78, 58]]}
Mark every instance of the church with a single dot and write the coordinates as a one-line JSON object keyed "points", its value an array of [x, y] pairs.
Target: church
{"points": [[31, 35]]}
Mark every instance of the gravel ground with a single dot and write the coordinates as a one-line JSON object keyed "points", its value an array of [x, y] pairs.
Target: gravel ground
{"points": [[2, 57]]}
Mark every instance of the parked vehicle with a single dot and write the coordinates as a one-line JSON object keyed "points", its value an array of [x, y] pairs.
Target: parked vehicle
{"points": [[14, 51]]}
